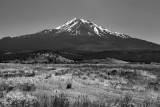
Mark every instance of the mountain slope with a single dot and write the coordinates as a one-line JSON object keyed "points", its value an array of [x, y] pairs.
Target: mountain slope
{"points": [[77, 34]]}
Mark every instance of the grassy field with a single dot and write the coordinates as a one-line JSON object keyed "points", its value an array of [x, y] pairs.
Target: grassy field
{"points": [[79, 85]]}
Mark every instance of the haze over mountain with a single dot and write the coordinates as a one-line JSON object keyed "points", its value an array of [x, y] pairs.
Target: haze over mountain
{"points": [[76, 34]]}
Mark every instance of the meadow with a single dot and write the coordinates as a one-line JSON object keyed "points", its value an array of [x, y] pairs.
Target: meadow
{"points": [[79, 85]]}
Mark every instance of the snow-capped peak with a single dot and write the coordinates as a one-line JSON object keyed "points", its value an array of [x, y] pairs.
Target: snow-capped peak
{"points": [[84, 21], [67, 23], [75, 26]]}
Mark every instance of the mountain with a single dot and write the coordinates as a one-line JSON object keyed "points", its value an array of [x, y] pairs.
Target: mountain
{"points": [[76, 34]]}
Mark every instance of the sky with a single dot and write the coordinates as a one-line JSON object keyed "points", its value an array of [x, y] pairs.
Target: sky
{"points": [[137, 18]]}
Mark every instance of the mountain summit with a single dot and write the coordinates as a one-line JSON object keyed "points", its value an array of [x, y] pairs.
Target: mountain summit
{"points": [[76, 34], [79, 26]]}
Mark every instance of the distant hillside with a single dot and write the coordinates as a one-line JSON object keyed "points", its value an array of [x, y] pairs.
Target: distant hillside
{"points": [[35, 57], [73, 56]]}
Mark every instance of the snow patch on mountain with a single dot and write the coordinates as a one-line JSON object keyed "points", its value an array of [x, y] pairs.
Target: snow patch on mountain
{"points": [[96, 30], [67, 23], [70, 27]]}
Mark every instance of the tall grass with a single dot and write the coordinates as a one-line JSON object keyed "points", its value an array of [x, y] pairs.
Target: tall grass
{"points": [[61, 100]]}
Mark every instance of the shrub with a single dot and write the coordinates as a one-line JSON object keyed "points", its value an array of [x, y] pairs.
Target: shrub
{"points": [[29, 73], [113, 72], [27, 87], [57, 73], [69, 85], [4, 86]]}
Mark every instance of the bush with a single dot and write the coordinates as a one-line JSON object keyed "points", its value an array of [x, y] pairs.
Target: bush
{"points": [[113, 72], [27, 87], [29, 73], [57, 73], [4, 86], [69, 85]]}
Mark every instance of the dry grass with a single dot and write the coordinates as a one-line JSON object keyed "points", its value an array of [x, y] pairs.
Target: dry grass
{"points": [[67, 85]]}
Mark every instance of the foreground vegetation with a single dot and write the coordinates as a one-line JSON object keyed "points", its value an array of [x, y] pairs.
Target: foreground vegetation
{"points": [[80, 85]]}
